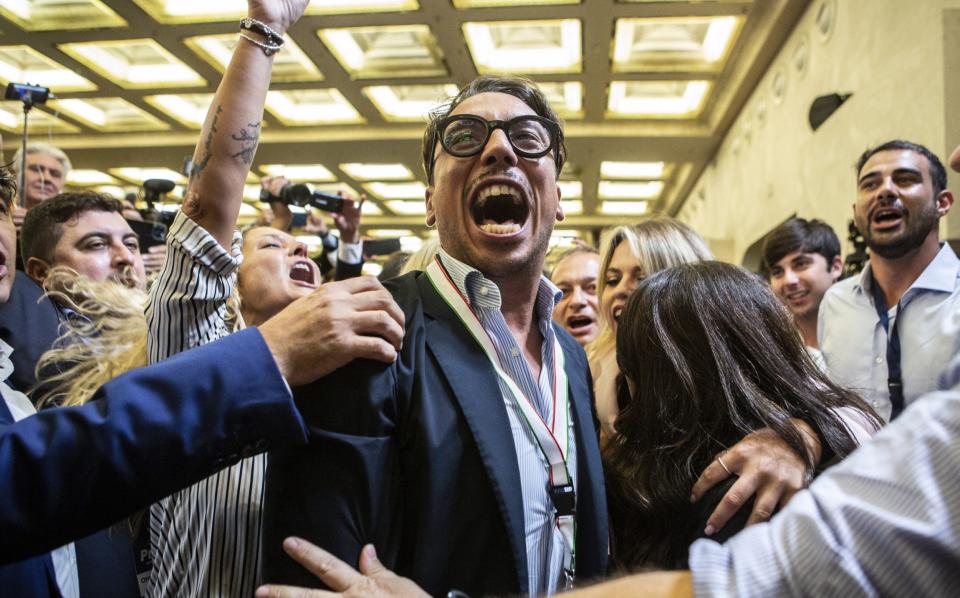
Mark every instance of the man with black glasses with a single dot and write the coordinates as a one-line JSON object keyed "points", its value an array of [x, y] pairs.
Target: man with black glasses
{"points": [[443, 459]]}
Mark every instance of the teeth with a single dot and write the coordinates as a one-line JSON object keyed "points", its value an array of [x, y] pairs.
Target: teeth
{"points": [[301, 266], [500, 229], [497, 190]]}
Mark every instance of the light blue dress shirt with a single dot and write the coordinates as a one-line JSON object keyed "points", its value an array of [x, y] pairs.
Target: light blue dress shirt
{"points": [[854, 343], [544, 541]]}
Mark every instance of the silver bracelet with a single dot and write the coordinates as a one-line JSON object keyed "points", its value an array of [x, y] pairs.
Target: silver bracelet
{"points": [[263, 29], [268, 48]]}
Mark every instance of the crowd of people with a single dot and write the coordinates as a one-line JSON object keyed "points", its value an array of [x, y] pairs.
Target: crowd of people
{"points": [[217, 420]]}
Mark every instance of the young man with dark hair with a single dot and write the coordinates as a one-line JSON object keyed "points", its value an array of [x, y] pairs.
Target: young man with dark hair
{"points": [[85, 231], [889, 332], [802, 260]]}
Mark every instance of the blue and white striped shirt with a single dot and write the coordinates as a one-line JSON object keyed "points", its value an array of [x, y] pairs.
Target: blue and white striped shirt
{"points": [[884, 522], [545, 548]]}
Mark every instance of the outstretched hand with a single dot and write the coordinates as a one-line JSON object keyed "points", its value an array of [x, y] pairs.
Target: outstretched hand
{"points": [[348, 219], [372, 581], [279, 15]]}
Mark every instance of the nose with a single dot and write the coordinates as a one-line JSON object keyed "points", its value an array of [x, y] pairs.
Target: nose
{"points": [[122, 255], [298, 249], [577, 297], [887, 189], [498, 150], [790, 277]]}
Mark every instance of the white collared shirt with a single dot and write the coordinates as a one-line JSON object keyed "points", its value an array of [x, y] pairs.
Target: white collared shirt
{"points": [[854, 342]]}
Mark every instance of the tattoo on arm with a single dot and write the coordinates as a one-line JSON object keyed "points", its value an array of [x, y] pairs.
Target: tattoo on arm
{"points": [[248, 137], [200, 164]]}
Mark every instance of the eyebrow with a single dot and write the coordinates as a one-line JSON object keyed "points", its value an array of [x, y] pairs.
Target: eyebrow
{"points": [[901, 170]]}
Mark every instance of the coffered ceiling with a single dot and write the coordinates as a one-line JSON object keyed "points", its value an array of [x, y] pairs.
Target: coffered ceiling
{"points": [[647, 88]]}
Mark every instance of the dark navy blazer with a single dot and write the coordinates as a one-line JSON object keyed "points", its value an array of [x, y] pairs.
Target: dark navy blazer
{"points": [[417, 458]]}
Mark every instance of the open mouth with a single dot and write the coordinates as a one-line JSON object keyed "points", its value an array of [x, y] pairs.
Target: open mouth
{"points": [[302, 272], [578, 323], [500, 210], [616, 313], [797, 296], [887, 218]]}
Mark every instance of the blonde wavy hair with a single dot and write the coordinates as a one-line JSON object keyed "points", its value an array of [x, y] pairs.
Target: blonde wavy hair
{"points": [[109, 339], [658, 244]]}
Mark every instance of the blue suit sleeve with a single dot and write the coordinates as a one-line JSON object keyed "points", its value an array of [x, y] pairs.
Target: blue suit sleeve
{"points": [[65, 473]]}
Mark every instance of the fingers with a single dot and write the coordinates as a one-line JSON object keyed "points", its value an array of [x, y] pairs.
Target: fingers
{"points": [[272, 591], [711, 476], [370, 565], [333, 572], [765, 505], [736, 496], [371, 326]]}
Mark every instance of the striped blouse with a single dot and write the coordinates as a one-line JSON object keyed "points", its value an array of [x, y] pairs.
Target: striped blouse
{"points": [[204, 540]]}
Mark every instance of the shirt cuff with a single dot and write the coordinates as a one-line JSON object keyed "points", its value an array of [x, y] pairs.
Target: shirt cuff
{"points": [[350, 253]]}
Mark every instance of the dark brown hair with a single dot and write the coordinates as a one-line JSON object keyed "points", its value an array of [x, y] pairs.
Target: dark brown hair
{"points": [[937, 172], [805, 236], [713, 356]]}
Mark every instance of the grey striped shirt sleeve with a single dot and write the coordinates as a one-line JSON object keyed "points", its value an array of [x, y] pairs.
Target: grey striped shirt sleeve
{"points": [[884, 522]]}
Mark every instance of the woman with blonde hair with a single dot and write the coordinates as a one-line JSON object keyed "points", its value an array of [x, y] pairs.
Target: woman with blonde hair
{"points": [[628, 255]]}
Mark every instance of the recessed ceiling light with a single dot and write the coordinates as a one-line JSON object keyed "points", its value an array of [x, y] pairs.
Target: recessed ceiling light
{"points": [[623, 190], [139, 175], [570, 189], [566, 98], [389, 233], [407, 208], [525, 46], [11, 119], [299, 173], [670, 43], [509, 3], [81, 176], [415, 190], [408, 102], [23, 63], [623, 208], [311, 107], [631, 170], [385, 51], [109, 114], [50, 15], [372, 172], [291, 65], [134, 63], [571, 207], [657, 99], [189, 109], [192, 11]]}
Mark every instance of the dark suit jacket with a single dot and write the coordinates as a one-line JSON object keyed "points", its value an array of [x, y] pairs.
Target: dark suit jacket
{"points": [[29, 322], [66, 473], [417, 458]]}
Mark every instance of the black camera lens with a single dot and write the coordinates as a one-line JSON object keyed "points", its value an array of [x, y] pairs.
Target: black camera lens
{"points": [[298, 194]]}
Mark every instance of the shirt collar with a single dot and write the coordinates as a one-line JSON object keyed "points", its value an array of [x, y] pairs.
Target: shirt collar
{"points": [[941, 274], [6, 366], [482, 293]]}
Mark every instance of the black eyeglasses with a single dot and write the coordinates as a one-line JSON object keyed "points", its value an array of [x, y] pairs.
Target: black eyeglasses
{"points": [[531, 136]]}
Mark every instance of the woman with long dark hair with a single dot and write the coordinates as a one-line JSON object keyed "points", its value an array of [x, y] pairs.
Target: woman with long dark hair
{"points": [[709, 355]]}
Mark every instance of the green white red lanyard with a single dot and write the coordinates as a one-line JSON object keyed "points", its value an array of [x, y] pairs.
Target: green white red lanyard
{"points": [[553, 440]]}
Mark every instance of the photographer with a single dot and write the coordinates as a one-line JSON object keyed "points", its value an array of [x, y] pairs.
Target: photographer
{"points": [[346, 253]]}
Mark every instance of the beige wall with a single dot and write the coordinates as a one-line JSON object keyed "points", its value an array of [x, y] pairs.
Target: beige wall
{"points": [[890, 54]]}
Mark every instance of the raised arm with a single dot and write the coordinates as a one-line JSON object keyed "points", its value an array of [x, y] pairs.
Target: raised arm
{"points": [[228, 140]]}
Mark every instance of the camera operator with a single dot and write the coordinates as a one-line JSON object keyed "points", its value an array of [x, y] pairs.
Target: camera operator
{"points": [[346, 253]]}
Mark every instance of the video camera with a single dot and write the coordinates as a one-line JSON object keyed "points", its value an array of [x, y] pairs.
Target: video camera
{"points": [[300, 195]]}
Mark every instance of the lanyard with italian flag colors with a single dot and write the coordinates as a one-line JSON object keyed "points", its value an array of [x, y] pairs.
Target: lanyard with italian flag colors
{"points": [[553, 439]]}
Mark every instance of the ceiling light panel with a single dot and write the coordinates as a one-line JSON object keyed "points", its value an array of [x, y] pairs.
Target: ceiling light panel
{"points": [[81, 177], [509, 3], [290, 66], [624, 208], [408, 103], [194, 11], [570, 189], [407, 208], [109, 114], [566, 98], [23, 63], [690, 43], [47, 15], [388, 51], [373, 172], [631, 190], [41, 123], [300, 173], [657, 99], [311, 107], [139, 175], [190, 109], [632, 170], [525, 46], [134, 63], [415, 190], [572, 207]]}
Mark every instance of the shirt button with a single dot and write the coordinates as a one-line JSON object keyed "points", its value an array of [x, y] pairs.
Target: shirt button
{"points": [[515, 351], [879, 360], [484, 291]]}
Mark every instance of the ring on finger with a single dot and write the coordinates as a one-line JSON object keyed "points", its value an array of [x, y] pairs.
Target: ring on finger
{"points": [[724, 466]]}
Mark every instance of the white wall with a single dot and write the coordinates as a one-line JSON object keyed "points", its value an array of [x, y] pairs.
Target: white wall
{"points": [[890, 55]]}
